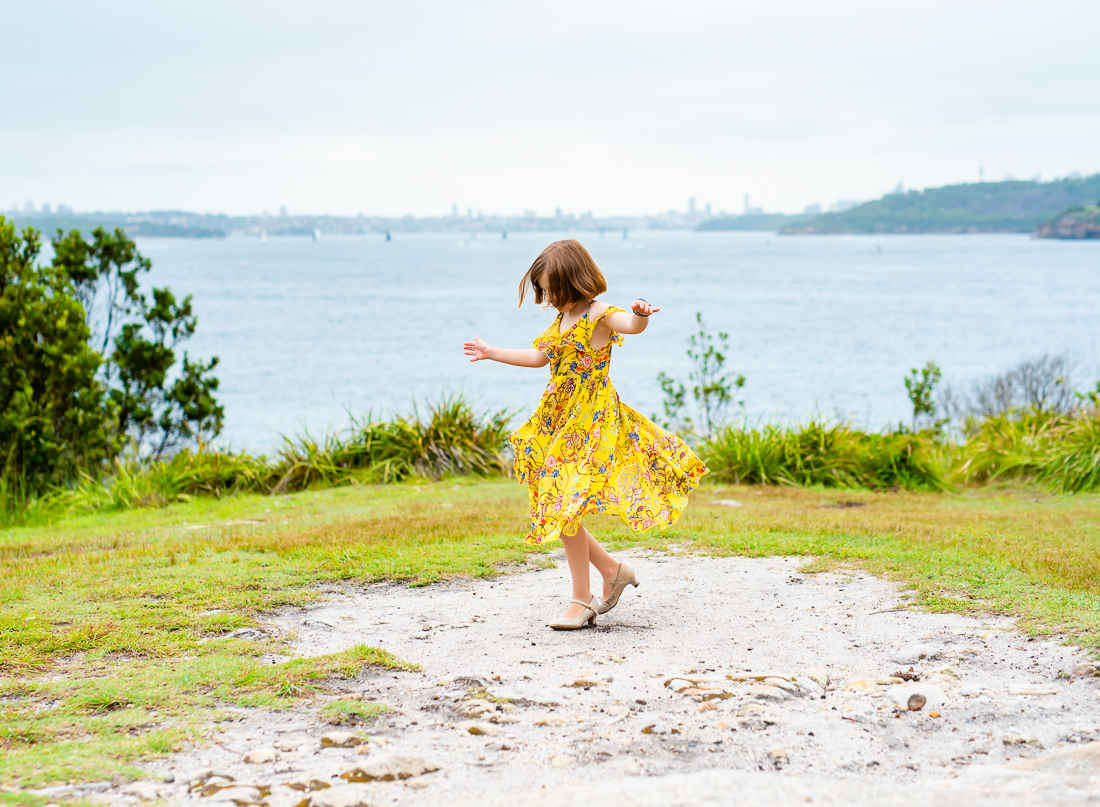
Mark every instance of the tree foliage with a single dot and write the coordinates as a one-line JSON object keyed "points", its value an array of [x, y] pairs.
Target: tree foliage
{"points": [[920, 385], [54, 416], [712, 385], [88, 361]]}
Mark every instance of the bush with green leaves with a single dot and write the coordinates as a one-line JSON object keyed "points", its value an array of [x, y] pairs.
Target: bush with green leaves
{"points": [[155, 410], [712, 385], [55, 417], [920, 386], [88, 362]]}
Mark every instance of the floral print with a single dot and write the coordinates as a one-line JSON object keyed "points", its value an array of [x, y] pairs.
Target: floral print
{"points": [[584, 451]]}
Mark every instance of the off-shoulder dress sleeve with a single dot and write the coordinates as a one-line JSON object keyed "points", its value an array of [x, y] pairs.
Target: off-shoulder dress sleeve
{"points": [[616, 338]]}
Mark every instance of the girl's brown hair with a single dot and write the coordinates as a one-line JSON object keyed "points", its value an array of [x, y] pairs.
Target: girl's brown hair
{"points": [[564, 273]]}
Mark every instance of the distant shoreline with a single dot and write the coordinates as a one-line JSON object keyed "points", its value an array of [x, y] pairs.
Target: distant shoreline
{"points": [[986, 207], [1056, 209]]}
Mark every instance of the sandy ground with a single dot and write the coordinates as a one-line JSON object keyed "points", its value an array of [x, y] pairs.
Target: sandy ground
{"points": [[702, 687]]}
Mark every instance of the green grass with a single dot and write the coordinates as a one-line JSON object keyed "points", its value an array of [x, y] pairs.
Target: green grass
{"points": [[352, 711], [115, 628], [98, 713]]}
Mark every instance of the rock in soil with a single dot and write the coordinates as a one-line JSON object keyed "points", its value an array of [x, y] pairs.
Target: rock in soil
{"points": [[239, 796], [340, 739], [338, 796], [1045, 736], [261, 756], [146, 791], [389, 769]]}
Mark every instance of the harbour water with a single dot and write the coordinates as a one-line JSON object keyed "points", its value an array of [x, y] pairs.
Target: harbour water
{"points": [[309, 330]]}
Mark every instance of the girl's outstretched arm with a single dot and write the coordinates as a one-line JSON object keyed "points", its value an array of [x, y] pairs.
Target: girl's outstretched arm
{"points": [[635, 322], [520, 358]]}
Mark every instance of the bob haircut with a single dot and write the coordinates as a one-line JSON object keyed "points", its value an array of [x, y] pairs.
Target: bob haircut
{"points": [[565, 274]]}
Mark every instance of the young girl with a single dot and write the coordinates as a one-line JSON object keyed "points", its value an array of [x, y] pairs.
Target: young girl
{"points": [[583, 451]]}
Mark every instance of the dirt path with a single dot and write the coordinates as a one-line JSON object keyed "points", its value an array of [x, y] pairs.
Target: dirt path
{"points": [[665, 702]]}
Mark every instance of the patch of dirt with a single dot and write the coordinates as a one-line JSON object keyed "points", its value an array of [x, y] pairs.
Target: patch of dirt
{"points": [[704, 683]]}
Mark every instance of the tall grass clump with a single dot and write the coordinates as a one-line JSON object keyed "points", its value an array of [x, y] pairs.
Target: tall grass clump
{"points": [[448, 438], [1028, 424], [451, 440], [204, 471], [1060, 450], [20, 506], [816, 453], [1006, 446], [1074, 464]]}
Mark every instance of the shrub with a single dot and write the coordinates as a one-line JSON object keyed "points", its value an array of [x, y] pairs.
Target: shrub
{"points": [[1060, 450], [1041, 384], [451, 440], [86, 366], [819, 454], [1009, 446], [53, 413], [1074, 463], [712, 385]]}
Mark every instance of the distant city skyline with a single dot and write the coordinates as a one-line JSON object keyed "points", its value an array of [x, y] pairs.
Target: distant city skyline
{"points": [[30, 208], [692, 209], [615, 108]]}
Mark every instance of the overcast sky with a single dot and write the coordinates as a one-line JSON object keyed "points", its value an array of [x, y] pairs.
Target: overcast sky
{"points": [[614, 107]]}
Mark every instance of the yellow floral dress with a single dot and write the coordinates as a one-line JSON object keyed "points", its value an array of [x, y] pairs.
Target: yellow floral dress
{"points": [[584, 451]]}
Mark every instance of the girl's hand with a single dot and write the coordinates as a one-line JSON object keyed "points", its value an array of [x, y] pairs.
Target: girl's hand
{"points": [[643, 309], [477, 348]]}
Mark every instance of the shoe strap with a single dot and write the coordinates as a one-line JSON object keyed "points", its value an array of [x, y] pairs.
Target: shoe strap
{"points": [[587, 605]]}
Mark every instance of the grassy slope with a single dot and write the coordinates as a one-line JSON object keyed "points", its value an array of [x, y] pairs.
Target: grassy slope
{"points": [[1011, 206], [104, 618]]}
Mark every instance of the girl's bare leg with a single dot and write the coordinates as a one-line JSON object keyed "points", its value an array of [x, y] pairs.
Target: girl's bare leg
{"points": [[576, 554], [580, 550], [606, 565]]}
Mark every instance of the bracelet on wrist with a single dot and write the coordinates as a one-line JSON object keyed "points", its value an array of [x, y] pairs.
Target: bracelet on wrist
{"points": [[642, 315]]}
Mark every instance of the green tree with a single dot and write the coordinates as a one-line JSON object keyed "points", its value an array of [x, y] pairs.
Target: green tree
{"points": [[105, 278], [155, 412], [920, 385], [88, 363], [712, 386], [54, 417]]}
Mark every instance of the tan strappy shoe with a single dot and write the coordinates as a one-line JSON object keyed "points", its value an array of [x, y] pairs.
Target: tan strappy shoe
{"points": [[586, 619], [623, 578]]}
